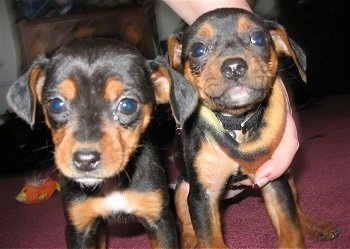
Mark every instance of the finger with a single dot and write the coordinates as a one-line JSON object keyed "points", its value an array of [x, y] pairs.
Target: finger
{"points": [[281, 158]]}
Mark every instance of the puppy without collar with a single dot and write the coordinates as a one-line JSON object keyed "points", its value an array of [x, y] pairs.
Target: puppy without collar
{"points": [[98, 97]]}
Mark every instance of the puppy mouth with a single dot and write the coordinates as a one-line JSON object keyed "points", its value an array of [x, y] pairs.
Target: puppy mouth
{"points": [[116, 181], [235, 96], [237, 90], [88, 181]]}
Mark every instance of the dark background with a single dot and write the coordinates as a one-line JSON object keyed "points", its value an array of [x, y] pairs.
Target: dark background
{"points": [[318, 26]]}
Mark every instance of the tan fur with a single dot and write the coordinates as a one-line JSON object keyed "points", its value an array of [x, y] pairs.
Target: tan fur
{"points": [[84, 213], [68, 89], [275, 118], [236, 75], [207, 31], [114, 89]]}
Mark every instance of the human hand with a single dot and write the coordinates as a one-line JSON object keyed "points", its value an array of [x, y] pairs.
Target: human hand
{"points": [[281, 158], [190, 10]]}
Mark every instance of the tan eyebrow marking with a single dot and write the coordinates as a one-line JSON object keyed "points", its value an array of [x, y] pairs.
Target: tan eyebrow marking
{"points": [[68, 89], [114, 88]]}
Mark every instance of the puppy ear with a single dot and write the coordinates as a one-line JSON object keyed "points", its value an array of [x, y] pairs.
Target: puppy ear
{"points": [[175, 51], [172, 87], [286, 46], [25, 92]]}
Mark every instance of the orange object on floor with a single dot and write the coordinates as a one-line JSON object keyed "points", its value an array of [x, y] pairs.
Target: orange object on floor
{"points": [[36, 192]]}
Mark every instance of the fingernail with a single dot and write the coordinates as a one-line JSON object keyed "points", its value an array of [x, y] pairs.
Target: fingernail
{"points": [[260, 183], [255, 186]]}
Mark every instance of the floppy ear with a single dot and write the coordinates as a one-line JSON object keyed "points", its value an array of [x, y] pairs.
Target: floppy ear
{"points": [[175, 51], [172, 87], [286, 46], [25, 93]]}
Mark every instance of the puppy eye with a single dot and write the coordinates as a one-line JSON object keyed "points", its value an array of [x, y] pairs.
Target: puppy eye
{"points": [[55, 106], [198, 50], [127, 106], [258, 38]]}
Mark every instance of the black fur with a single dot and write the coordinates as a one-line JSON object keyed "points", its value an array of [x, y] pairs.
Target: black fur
{"points": [[98, 97], [231, 57]]}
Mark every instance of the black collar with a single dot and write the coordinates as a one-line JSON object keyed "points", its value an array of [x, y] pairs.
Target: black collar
{"points": [[231, 123], [246, 122]]}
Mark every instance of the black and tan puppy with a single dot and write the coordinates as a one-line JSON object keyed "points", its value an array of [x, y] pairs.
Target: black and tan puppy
{"points": [[231, 57], [98, 97]]}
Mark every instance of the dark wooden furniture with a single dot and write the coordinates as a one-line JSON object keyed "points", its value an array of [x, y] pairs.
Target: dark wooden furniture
{"points": [[44, 35]]}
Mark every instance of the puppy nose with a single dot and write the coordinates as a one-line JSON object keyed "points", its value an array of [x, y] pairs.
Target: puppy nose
{"points": [[234, 68], [86, 160]]}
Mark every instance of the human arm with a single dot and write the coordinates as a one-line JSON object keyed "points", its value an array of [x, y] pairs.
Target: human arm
{"points": [[189, 10]]}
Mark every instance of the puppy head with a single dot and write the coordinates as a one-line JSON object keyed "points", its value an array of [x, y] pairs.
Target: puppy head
{"points": [[231, 56], [98, 97]]}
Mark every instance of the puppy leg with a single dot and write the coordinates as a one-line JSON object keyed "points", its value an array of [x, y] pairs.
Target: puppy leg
{"points": [[162, 232], [188, 237], [96, 237], [319, 231], [208, 236], [84, 228], [205, 214], [282, 210]]}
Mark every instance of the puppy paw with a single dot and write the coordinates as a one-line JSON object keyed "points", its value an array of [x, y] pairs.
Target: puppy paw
{"points": [[188, 240], [324, 232]]}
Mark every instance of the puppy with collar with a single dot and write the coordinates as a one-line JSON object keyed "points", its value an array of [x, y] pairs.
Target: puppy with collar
{"points": [[98, 97], [232, 59]]}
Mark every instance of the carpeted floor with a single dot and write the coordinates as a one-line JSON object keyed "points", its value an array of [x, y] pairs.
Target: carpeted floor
{"points": [[322, 175]]}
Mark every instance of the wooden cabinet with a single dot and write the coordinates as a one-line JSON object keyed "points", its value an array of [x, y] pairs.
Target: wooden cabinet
{"points": [[45, 35]]}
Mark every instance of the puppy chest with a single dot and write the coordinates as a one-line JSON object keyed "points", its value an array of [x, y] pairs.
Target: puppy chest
{"points": [[142, 205], [213, 165]]}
